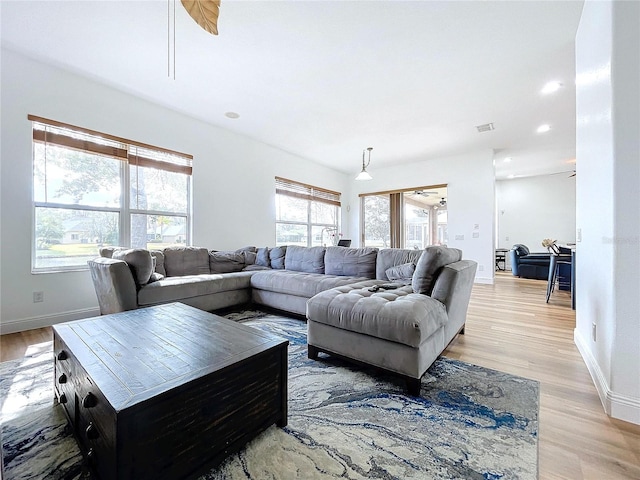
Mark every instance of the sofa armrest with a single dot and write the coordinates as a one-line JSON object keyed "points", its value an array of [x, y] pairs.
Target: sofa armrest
{"points": [[114, 285], [453, 288]]}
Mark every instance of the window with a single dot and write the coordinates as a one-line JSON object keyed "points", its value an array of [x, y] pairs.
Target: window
{"points": [[92, 189], [407, 218], [306, 215]]}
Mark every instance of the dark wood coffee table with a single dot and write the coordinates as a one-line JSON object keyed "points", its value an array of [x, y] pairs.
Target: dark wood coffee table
{"points": [[167, 391]]}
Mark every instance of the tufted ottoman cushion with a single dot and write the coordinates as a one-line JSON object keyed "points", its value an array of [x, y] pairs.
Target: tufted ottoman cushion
{"points": [[397, 315]]}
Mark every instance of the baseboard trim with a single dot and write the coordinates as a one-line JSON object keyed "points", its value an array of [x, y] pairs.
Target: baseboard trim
{"points": [[40, 321], [484, 280], [615, 405]]}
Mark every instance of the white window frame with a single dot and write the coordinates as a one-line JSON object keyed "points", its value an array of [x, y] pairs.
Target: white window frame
{"points": [[311, 194], [175, 161]]}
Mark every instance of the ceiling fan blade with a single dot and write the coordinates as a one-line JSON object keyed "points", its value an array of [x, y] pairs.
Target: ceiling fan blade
{"points": [[204, 12]]}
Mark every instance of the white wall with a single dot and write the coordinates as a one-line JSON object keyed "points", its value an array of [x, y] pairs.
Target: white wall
{"points": [[533, 208], [233, 180], [608, 255], [470, 188]]}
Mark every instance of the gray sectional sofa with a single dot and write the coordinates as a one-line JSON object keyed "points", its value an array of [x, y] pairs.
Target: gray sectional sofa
{"points": [[395, 309]]}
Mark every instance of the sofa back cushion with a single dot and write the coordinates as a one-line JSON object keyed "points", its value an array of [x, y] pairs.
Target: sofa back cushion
{"points": [[431, 262], [181, 261], [352, 262], [304, 259], [392, 257], [226, 262], [140, 263]]}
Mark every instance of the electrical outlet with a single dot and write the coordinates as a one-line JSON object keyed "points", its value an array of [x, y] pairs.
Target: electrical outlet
{"points": [[593, 331], [506, 239], [38, 297], [579, 235], [481, 268], [475, 234], [476, 226], [459, 237]]}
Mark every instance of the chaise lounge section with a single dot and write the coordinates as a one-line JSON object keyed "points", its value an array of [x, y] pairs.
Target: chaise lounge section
{"points": [[402, 330]]}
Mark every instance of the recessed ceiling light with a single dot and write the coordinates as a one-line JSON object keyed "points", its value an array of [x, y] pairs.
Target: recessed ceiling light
{"points": [[544, 128], [233, 115], [487, 127], [511, 176], [508, 159], [551, 87]]}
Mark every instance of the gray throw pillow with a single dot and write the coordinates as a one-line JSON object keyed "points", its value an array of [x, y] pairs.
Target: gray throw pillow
{"points": [[140, 262], [428, 267], [158, 256], [249, 257], [401, 273], [276, 257], [226, 262], [155, 277], [262, 257], [107, 252]]}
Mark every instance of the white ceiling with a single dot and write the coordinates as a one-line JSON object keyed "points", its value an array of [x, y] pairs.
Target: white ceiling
{"points": [[324, 79]]}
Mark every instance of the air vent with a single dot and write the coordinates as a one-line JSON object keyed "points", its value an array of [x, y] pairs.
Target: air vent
{"points": [[487, 127]]}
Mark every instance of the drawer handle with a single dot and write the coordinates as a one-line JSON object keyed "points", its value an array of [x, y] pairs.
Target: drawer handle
{"points": [[63, 398], [62, 378], [92, 432], [89, 400], [62, 355]]}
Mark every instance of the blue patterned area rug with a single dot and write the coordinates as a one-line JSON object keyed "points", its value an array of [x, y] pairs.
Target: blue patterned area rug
{"points": [[345, 421]]}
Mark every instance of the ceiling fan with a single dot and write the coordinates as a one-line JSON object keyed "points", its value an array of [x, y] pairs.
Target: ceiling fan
{"points": [[204, 12]]}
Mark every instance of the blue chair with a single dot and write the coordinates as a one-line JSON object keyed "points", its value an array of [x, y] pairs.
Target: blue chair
{"points": [[525, 264]]}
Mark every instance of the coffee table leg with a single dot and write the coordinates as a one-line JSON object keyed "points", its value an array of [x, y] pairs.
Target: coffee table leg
{"points": [[284, 382]]}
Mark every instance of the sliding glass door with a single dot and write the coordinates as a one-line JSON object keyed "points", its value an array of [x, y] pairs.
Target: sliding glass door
{"points": [[407, 218]]}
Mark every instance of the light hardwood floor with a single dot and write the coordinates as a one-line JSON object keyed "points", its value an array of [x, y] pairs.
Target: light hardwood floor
{"points": [[511, 328]]}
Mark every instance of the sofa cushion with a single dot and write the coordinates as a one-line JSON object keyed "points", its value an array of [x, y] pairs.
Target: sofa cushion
{"points": [[391, 257], [226, 262], [401, 273], [174, 289], [140, 262], [431, 261], [107, 252], [262, 257], [396, 315], [304, 259], [181, 261], [300, 284], [254, 268], [159, 258], [276, 257], [355, 262]]}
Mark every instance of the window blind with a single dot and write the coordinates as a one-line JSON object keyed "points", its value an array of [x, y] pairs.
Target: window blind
{"points": [[135, 153], [304, 191]]}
